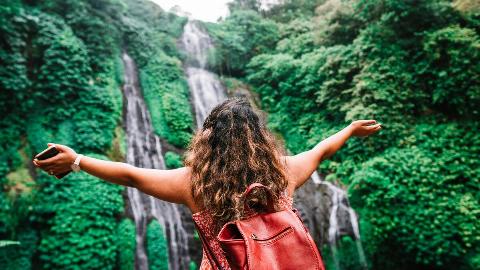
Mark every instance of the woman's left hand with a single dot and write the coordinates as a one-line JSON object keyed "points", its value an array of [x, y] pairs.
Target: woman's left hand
{"points": [[363, 128], [58, 164]]}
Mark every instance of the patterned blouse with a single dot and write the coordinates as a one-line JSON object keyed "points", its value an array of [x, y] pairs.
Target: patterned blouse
{"points": [[206, 223]]}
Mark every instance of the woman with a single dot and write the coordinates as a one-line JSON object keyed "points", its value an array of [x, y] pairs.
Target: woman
{"points": [[232, 150]]}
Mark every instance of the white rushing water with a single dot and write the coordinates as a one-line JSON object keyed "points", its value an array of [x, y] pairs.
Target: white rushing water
{"points": [[144, 150], [206, 89], [339, 204]]}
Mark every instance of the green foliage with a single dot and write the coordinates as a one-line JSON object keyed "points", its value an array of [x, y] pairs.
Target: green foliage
{"points": [[346, 252], [178, 115], [241, 36], [64, 73], [60, 81], [420, 209], [148, 30], [156, 18], [173, 160], [81, 212], [300, 91], [18, 256], [166, 94], [336, 23], [296, 38], [95, 124], [290, 10], [157, 248], [244, 5], [451, 68], [126, 245]]}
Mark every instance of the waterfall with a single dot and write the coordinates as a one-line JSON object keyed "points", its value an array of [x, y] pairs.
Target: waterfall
{"points": [[326, 209], [206, 89], [144, 150]]}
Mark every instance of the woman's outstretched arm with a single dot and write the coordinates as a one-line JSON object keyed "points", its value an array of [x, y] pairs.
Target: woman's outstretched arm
{"points": [[168, 185], [301, 166]]}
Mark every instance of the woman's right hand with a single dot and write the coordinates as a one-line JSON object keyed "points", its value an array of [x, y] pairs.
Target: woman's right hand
{"points": [[362, 128]]}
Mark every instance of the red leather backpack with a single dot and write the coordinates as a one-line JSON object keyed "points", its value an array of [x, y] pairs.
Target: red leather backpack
{"points": [[270, 241]]}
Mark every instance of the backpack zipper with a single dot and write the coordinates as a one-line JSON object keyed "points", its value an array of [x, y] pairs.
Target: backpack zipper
{"points": [[273, 237]]}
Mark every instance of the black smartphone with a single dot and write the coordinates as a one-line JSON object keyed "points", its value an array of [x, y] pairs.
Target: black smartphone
{"points": [[48, 153]]}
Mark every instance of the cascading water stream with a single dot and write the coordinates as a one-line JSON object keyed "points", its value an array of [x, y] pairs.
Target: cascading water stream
{"points": [[206, 89], [144, 151]]}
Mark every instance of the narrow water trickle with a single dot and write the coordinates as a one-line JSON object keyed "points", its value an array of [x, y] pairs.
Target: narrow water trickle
{"points": [[144, 150]]}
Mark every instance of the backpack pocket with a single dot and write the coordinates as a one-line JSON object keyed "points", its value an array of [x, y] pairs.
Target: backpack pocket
{"points": [[271, 239]]}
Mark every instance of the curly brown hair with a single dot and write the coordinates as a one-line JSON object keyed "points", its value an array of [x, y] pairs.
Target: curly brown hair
{"points": [[232, 150]]}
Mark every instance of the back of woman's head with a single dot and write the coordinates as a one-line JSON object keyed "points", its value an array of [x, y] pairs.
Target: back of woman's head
{"points": [[232, 150]]}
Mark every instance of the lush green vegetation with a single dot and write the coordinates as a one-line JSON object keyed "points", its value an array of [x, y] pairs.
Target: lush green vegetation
{"points": [[81, 225], [157, 249], [241, 36], [412, 66], [166, 94], [126, 245], [173, 160], [60, 81], [52, 90]]}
